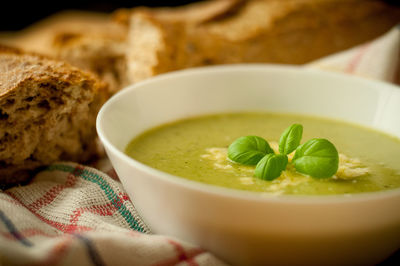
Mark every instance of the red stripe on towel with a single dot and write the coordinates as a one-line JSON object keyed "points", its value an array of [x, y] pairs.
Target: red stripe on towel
{"points": [[182, 255], [103, 210], [50, 195], [57, 253], [355, 61], [66, 228]]}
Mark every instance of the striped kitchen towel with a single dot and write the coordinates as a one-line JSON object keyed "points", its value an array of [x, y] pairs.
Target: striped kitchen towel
{"points": [[378, 59], [70, 214], [75, 215]]}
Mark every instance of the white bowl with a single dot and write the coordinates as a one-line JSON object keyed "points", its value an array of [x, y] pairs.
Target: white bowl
{"points": [[245, 227]]}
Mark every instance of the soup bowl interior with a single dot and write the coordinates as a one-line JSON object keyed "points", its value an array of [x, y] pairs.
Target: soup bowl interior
{"points": [[247, 227]]}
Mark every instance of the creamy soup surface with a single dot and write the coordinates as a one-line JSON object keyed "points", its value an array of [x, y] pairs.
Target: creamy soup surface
{"points": [[196, 149]]}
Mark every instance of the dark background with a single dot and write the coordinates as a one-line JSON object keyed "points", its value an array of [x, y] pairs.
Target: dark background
{"points": [[16, 14]]}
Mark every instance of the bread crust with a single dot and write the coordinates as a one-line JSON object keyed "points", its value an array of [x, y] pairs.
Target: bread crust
{"points": [[256, 31], [98, 54], [89, 41], [195, 13], [14, 70], [47, 113]]}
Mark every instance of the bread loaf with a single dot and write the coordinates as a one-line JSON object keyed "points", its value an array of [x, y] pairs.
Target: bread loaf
{"points": [[96, 48], [194, 13], [252, 31], [47, 113], [90, 41]]}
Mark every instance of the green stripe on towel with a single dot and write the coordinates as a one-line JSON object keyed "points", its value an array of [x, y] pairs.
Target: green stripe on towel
{"points": [[111, 195]]}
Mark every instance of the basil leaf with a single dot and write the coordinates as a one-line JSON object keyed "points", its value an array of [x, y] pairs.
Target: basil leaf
{"points": [[248, 150], [317, 158], [271, 166], [290, 138]]}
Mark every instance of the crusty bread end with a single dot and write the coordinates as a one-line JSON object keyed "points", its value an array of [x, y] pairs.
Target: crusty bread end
{"points": [[47, 113]]}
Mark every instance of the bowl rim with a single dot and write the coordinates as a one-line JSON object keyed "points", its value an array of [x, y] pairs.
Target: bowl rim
{"points": [[231, 192]]}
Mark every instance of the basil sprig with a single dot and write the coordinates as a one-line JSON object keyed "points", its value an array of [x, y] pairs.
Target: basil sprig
{"points": [[290, 139], [248, 150], [317, 158], [271, 166]]}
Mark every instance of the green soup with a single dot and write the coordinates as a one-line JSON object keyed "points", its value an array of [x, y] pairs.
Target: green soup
{"points": [[195, 149]]}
